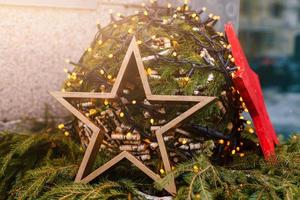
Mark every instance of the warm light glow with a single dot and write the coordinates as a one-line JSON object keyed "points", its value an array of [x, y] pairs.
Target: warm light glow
{"points": [[162, 171], [106, 102], [128, 134], [92, 111], [67, 133], [130, 30], [221, 141], [251, 130], [196, 168], [61, 126], [152, 121], [121, 114], [149, 71]]}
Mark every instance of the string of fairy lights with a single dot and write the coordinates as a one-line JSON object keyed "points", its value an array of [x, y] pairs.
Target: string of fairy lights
{"points": [[123, 130]]}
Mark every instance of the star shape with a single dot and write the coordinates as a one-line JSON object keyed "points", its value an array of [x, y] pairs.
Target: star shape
{"points": [[132, 63]]}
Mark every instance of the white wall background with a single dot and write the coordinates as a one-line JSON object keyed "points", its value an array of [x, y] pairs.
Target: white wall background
{"points": [[37, 36]]}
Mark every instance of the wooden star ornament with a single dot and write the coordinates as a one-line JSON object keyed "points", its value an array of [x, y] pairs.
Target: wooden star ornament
{"points": [[131, 67]]}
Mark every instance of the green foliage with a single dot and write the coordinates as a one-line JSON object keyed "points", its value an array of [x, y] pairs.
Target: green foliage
{"points": [[43, 166], [249, 177]]}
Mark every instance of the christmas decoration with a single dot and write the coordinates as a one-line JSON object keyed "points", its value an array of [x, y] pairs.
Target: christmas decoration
{"points": [[131, 68], [127, 110], [247, 82]]}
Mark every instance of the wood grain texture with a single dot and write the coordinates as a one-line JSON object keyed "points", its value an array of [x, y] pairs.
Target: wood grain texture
{"points": [[132, 62]]}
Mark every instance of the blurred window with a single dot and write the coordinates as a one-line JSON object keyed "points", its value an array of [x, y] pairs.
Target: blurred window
{"points": [[246, 7], [277, 9]]}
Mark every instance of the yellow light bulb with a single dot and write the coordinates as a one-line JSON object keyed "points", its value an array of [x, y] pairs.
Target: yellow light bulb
{"points": [[196, 168], [242, 154], [130, 30], [67, 133], [248, 122], [221, 141], [110, 55], [105, 102], [121, 114], [162, 171], [233, 152], [100, 42], [169, 5], [194, 15], [139, 42], [149, 71], [251, 130], [109, 76], [61, 126], [115, 25], [133, 102], [128, 134], [241, 117], [89, 49], [238, 148], [152, 121], [102, 72], [184, 141], [198, 196], [92, 111], [80, 82], [174, 54], [69, 84], [145, 12]]}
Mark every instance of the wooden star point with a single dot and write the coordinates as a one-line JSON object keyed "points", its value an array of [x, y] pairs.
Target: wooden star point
{"points": [[132, 65]]}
